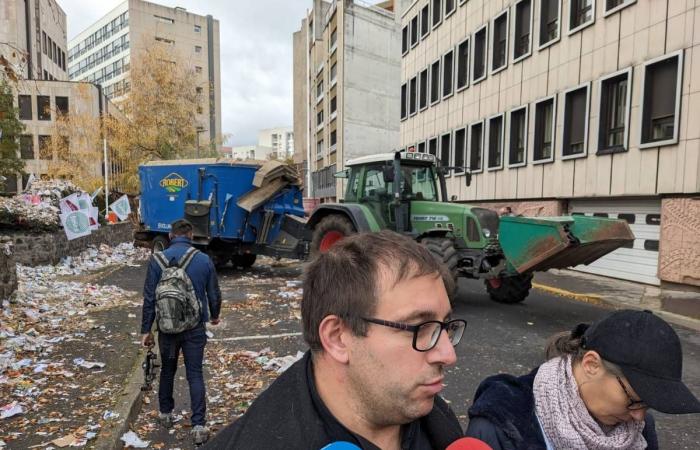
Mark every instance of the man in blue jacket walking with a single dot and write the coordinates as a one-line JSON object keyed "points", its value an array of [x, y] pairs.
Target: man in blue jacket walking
{"points": [[202, 273]]}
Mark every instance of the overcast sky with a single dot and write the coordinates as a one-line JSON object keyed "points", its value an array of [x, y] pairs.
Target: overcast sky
{"points": [[256, 56]]}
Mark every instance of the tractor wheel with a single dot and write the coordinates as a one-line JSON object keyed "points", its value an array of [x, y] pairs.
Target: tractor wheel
{"points": [[160, 243], [509, 289], [246, 260], [330, 230], [444, 251]]}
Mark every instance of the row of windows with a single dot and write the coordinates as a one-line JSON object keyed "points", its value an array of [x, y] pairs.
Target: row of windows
{"points": [[581, 14], [117, 89], [26, 147], [113, 27], [53, 51], [118, 45], [43, 106], [109, 71], [486, 139]]}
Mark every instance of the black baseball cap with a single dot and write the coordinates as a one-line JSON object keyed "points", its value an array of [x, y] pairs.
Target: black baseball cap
{"points": [[649, 353]]}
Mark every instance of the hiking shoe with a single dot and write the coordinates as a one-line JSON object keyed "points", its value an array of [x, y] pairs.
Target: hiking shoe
{"points": [[165, 419], [200, 434]]}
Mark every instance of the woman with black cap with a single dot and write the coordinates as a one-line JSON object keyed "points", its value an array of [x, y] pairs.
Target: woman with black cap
{"points": [[593, 392]]}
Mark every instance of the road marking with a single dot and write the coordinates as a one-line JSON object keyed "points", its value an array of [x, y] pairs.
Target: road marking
{"points": [[256, 337]]}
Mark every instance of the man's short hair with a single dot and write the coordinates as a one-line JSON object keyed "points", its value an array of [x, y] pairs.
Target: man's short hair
{"points": [[347, 280], [181, 227]]}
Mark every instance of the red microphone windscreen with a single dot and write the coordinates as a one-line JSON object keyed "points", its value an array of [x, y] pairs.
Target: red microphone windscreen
{"points": [[468, 443]]}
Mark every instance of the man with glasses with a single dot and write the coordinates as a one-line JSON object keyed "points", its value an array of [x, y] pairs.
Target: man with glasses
{"points": [[376, 315]]}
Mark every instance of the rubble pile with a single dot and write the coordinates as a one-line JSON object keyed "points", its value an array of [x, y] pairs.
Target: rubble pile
{"points": [[37, 209]]}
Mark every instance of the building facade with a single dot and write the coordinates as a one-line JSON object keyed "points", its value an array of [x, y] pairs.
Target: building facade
{"points": [[103, 52], [281, 140], [259, 152], [566, 107], [346, 72]]}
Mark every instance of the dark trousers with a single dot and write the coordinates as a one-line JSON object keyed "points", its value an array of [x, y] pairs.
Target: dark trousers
{"points": [[192, 343]]}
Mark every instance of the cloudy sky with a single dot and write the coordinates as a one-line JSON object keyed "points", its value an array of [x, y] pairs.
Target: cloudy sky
{"points": [[256, 56]]}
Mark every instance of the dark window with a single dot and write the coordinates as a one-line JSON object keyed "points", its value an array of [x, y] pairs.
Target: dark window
{"points": [[10, 184], [43, 40], [435, 82], [544, 130], [55, 53], [423, 89], [25, 107], [463, 64], [437, 12], [414, 31], [425, 21], [653, 219], [549, 21], [476, 146], [629, 218], [334, 137], [62, 105], [413, 96], [575, 107], [523, 19], [518, 137], [421, 147], [581, 12], [50, 48], [334, 105], [479, 69], [651, 245], [659, 103], [45, 151], [449, 7], [404, 112], [500, 42], [610, 4], [404, 40], [613, 113], [447, 74], [43, 107], [601, 215], [26, 146], [460, 149], [445, 149], [319, 118], [495, 142], [432, 146]]}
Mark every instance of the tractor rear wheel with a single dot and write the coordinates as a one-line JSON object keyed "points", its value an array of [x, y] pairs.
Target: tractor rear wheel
{"points": [[160, 243], [509, 289], [330, 230], [444, 251]]}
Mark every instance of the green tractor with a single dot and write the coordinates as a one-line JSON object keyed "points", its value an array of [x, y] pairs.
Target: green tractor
{"points": [[406, 192]]}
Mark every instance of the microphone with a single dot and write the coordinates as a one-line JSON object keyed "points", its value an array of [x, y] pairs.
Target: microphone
{"points": [[341, 445], [468, 443]]}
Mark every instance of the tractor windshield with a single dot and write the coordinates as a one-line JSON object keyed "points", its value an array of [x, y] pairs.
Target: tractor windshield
{"points": [[418, 183]]}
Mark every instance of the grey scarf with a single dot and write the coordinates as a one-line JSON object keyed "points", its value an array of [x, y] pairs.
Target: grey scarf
{"points": [[565, 419]]}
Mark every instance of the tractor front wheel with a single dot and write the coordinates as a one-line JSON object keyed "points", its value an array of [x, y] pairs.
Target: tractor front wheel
{"points": [[444, 251], [330, 230], [509, 289], [160, 243]]}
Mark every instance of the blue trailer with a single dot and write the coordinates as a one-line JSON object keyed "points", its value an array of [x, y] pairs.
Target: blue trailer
{"points": [[239, 209]]}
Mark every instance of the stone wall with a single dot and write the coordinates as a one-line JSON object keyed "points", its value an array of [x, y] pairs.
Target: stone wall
{"points": [[36, 249], [679, 247], [8, 270]]}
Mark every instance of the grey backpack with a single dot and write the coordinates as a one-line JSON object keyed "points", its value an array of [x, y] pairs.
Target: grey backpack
{"points": [[177, 307]]}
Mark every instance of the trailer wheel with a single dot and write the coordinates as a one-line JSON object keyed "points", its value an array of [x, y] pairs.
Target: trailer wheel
{"points": [[246, 260], [160, 243], [330, 230], [444, 251], [509, 289]]}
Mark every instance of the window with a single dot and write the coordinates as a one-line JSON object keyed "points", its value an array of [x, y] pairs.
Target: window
{"points": [[437, 12], [421, 147], [333, 40], [43, 107], [26, 146], [450, 6], [499, 44], [613, 6], [334, 72], [435, 82], [575, 139], [197, 28], [423, 89], [319, 118], [334, 139], [319, 149], [404, 40], [198, 49], [414, 31], [460, 149], [432, 146], [200, 90], [544, 130], [319, 90], [162, 19], [43, 40], [404, 101], [334, 106], [522, 44], [50, 48], [413, 96], [549, 22], [446, 150], [476, 147], [45, 151], [165, 40], [425, 21], [517, 139], [448, 74], [495, 142], [661, 100], [479, 54], [198, 69], [581, 14], [25, 107], [614, 112], [463, 64]]}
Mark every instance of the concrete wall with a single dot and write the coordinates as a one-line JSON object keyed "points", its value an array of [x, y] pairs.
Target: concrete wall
{"points": [[679, 247], [300, 94]]}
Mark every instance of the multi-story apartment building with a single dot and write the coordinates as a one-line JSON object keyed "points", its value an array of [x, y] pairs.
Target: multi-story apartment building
{"points": [[103, 52], [346, 72], [566, 106], [252, 152], [281, 140]]}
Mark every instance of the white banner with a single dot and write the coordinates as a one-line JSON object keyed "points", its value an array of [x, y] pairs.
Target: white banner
{"points": [[76, 224], [121, 207]]}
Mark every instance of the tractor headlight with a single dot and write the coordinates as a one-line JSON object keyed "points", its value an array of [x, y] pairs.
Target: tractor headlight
{"points": [[486, 232]]}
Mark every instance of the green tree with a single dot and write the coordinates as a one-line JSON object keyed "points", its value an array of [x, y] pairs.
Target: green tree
{"points": [[10, 130]]}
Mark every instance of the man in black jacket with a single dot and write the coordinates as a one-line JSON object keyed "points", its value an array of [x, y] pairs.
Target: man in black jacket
{"points": [[374, 310]]}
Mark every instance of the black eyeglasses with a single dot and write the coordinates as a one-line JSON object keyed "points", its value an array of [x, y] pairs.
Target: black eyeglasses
{"points": [[633, 405], [427, 334]]}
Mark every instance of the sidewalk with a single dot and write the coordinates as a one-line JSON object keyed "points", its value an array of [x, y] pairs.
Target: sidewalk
{"points": [[678, 307]]}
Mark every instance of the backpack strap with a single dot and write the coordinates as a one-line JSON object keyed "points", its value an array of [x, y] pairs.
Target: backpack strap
{"points": [[187, 257], [161, 260]]}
